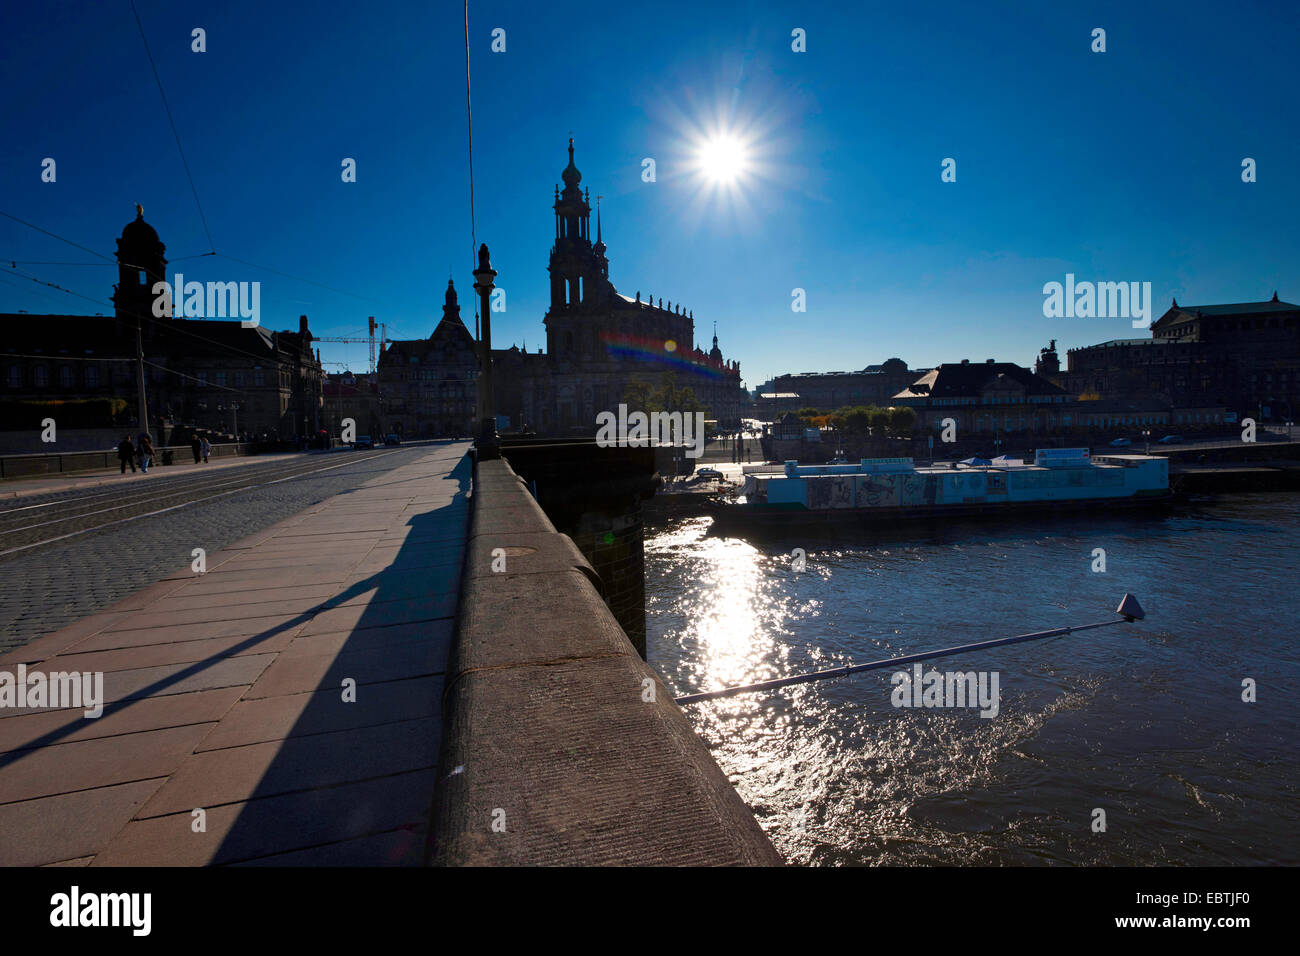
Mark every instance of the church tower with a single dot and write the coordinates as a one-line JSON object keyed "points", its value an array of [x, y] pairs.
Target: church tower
{"points": [[577, 268], [140, 263]]}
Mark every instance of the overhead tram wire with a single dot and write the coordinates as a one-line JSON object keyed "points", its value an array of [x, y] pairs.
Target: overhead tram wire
{"points": [[185, 162], [54, 235], [469, 140], [57, 357], [147, 318], [154, 321], [47, 262], [288, 275], [195, 378], [202, 255], [112, 261]]}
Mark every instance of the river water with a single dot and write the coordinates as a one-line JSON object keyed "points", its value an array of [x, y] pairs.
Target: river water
{"points": [[1144, 721]]}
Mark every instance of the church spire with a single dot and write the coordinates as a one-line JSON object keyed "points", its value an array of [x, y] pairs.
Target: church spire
{"points": [[450, 309], [574, 263], [571, 177]]}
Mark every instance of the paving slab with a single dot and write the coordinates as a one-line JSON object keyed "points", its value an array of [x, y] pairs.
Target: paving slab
{"points": [[260, 828], [58, 830], [276, 718], [237, 774], [152, 713]]}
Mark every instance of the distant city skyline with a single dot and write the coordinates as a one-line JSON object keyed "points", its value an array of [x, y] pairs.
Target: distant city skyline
{"points": [[1115, 166]]}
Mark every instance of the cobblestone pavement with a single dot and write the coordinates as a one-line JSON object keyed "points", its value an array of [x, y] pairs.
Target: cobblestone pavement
{"points": [[53, 585]]}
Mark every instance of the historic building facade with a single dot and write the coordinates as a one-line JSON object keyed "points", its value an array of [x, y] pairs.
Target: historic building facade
{"points": [[1241, 356], [355, 397], [1001, 397], [986, 398], [427, 387], [598, 343], [209, 374]]}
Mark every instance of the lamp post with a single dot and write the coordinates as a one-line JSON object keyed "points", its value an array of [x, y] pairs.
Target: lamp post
{"points": [[1146, 436], [142, 403], [484, 275]]}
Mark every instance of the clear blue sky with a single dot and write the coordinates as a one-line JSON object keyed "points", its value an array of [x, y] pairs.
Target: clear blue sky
{"points": [[1122, 166]]}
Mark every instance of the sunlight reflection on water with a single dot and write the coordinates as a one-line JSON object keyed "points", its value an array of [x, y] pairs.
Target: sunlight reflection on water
{"points": [[1140, 718]]}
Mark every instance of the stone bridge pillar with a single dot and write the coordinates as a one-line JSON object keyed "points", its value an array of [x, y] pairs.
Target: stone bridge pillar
{"points": [[594, 495]]}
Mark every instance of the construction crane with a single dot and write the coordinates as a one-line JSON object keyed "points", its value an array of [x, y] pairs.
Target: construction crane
{"points": [[383, 339]]}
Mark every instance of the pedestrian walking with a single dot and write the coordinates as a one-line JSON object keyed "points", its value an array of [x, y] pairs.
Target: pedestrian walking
{"points": [[207, 450], [196, 446], [126, 454], [146, 452]]}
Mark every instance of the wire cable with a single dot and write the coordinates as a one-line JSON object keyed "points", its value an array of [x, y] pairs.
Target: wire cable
{"points": [[185, 162], [296, 278], [469, 139]]}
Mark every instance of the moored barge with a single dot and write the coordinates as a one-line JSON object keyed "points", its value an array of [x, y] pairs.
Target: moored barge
{"points": [[882, 489]]}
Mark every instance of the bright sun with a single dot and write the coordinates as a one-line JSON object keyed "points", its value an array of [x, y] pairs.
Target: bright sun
{"points": [[722, 159]]}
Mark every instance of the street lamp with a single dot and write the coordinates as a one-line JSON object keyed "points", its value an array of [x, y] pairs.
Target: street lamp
{"points": [[484, 275], [1146, 436]]}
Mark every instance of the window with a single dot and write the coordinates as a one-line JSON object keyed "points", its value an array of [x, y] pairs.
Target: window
{"points": [[15, 377], [221, 379], [240, 378], [203, 379], [259, 377], [65, 376], [92, 377], [40, 376]]}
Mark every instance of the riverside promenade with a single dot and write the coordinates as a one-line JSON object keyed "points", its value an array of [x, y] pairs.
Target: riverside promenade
{"points": [[419, 670], [291, 693]]}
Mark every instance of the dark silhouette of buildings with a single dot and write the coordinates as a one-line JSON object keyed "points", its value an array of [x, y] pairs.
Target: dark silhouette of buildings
{"points": [[988, 397], [828, 391], [211, 374], [1242, 356], [598, 342], [427, 386], [352, 396]]}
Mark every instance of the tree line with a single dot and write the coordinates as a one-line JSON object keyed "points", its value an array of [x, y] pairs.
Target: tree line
{"points": [[863, 420]]}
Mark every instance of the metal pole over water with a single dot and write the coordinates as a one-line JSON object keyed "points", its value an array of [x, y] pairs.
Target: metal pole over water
{"points": [[1129, 609]]}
